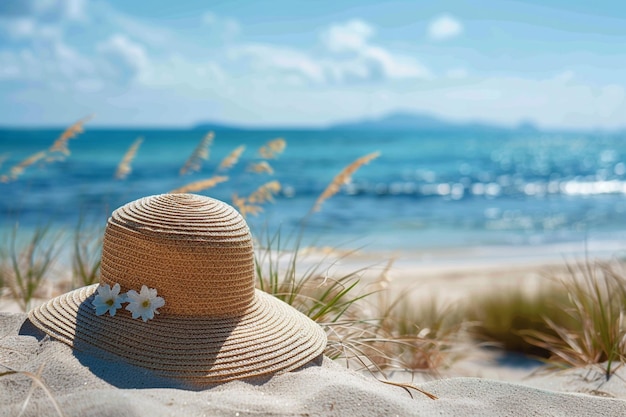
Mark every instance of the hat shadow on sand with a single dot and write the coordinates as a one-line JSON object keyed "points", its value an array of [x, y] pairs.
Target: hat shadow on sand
{"points": [[119, 373]]}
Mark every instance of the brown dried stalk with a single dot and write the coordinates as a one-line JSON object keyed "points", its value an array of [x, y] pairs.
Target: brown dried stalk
{"points": [[264, 193], [19, 168], [342, 178], [200, 185], [60, 145], [273, 148], [231, 159], [194, 163], [260, 168], [123, 169], [242, 206]]}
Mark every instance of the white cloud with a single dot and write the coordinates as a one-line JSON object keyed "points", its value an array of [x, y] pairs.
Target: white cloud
{"points": [[369, 61], [444, 27], [395, 67], [350, 36], [287, 60], [128, 59]]}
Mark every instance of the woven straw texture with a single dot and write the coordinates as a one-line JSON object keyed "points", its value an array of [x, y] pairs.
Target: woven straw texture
{"points": [[215, 326]]}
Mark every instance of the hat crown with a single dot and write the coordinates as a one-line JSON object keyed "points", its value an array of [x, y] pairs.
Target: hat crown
{"points": [[194, 250]]}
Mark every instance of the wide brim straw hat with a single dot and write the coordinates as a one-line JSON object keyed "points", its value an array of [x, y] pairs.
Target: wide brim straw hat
{"points": [[196, 254]]}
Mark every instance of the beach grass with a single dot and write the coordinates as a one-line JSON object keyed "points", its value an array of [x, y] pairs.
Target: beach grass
{"points": [[594, 332], [502, 317], [87, 241], [27, 261]]}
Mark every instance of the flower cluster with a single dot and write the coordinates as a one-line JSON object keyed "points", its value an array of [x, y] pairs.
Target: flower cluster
{"points": [[142, 304]]}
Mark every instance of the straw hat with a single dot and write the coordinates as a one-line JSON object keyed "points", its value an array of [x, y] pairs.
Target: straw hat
{"points": [[177, 295]]}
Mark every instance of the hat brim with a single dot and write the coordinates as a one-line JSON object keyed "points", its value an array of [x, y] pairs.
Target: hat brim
{"points": [[269, 337]]}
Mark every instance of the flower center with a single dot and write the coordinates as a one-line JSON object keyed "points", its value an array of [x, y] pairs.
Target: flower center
{"points": [[110, 302], [145, 304]]}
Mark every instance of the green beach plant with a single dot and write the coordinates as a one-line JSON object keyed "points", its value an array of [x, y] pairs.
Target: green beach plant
{"points": [[596, 332], [434, 333], [502, 317], [87, 254], [29, 263]]}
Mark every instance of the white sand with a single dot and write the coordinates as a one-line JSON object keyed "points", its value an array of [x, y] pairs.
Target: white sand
{"points": [[83, 385]]}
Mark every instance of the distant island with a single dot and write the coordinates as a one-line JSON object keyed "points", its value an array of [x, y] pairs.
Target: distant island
{"points": [[393, 121], [418, 121]]}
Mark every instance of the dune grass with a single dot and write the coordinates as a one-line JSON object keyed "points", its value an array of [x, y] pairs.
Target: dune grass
{"points": [[362, 332], [26, 264], [502, 316], [594, 331], [86, 256]]}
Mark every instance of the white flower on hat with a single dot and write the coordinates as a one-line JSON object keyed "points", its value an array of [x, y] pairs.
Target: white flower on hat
{"points": [[108, 299], [144, 304]]}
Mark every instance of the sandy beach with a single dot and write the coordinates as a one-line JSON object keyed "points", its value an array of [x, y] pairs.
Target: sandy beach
{"points": [[82, 385], [485, 382]]}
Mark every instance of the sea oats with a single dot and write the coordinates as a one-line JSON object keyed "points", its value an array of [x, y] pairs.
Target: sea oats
{"points": [[242, 206], [231, 159], [273, 148], [19, 168], [264, 193], [342, 178], [60, 147], [124, 168], [262, 167], [194, 163], [200, 185]]}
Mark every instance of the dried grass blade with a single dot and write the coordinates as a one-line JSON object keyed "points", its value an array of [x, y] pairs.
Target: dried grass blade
{"points": [[124, 168], [200, 185], [201, 153], [342, 178], [264, 193], [262, 167], [36, 378], [273, 148], [231, 159], [245, 209], [60, 145], [19, 168]]}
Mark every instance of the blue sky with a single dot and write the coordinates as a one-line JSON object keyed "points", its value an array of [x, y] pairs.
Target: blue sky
{"points": [[310, 63]]}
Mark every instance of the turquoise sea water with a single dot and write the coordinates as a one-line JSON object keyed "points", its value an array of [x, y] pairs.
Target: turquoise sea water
{"points": [[426, 190]]}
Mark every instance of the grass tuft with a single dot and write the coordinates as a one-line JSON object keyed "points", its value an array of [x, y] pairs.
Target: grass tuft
{"points": [[595, 332], [503, 316], [25, 265], [87, 254]]}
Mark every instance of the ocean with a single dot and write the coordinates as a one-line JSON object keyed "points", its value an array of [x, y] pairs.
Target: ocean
{"points": [[426, 190]]}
